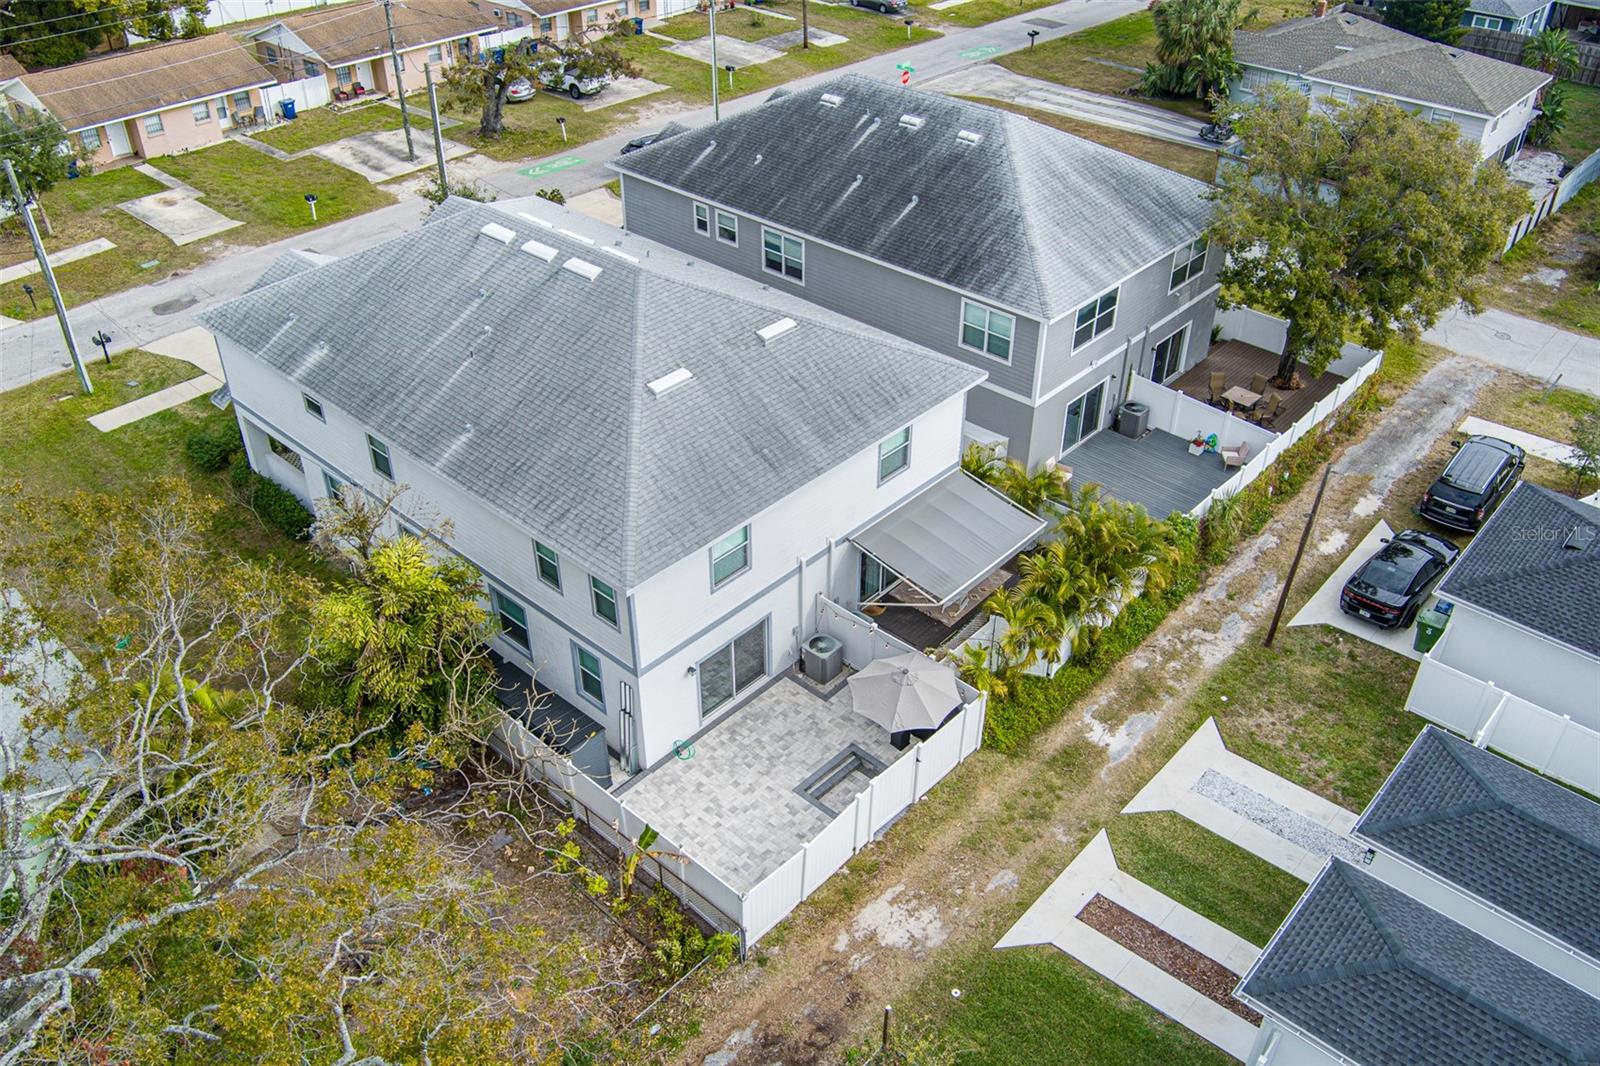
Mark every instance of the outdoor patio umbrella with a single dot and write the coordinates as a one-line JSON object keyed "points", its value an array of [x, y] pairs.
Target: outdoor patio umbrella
{"points": [[904, 692]]}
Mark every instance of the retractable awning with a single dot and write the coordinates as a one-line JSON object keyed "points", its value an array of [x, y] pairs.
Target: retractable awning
{"points": [[949, 537]]}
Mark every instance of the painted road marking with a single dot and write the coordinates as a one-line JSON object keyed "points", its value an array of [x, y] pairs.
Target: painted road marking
{"points": [[982, 51], [550, 166]]}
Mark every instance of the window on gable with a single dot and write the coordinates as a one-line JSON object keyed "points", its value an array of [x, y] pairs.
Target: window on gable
{"points": [[604, 599], [702, 219], [1188, 262], [783, 254], [727, 227], [313, 407], [548, 564], [894, 455], [1094, 318], [513, 619], [730, 557], [986, 330], [379, 453]]}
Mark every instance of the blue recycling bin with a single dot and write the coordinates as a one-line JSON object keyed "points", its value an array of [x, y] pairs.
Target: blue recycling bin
{"points": [[287, 107], [638, 27]]}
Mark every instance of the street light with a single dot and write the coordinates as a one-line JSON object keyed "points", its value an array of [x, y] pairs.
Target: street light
{"points": [[1031, 35], [103, 339]]}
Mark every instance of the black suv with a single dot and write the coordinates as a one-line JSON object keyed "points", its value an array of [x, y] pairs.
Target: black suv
{"points": [[1391, 587], [1482, 472]]}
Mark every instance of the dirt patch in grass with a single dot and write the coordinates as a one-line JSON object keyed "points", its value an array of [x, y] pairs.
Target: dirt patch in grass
{"points": [[1197, 163], [1553, 273], [1169, 954]]}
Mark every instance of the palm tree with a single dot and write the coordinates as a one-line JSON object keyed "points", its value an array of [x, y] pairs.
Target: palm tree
{"points": [[977, 666], [1551, 51], [1035, 491]]}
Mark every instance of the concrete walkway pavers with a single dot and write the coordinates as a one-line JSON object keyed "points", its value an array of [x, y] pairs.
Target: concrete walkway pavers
{"points": [[620, 91], [730, 51], [194, 346], [1322, 609], [1052, 919], [177, 214], [18, 271], [1173, 788], [381, 155], [599, 204], [1533, 444]]}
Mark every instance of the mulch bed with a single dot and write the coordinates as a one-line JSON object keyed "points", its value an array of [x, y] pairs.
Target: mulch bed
{"points": [[1197, 970]]}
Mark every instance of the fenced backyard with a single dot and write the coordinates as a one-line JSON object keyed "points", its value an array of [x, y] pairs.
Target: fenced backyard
{"points": [[676, 861], [1569, 186]]}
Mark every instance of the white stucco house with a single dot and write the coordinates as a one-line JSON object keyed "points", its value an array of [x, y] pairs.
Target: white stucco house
{"points": [[1339, 58], [1518, 666]]}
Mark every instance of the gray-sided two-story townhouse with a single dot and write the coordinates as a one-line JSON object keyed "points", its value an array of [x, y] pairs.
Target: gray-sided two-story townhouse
{"points": [[1056, 265], [657, 466]]}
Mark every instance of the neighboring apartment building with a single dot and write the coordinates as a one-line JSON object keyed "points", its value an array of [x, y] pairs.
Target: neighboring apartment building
{"points": [[1343, 58], [1470, 934], [1057, 266], [1509, 16], [656, 465], [562, 20], [1519, 662], [157, 99]]}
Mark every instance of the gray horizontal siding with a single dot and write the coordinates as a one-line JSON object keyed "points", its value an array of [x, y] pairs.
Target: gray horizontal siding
{"points": [[909, 307]]}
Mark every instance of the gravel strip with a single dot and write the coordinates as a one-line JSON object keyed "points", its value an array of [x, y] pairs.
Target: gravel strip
{"points": [[1274, 817], [1155, 945]]}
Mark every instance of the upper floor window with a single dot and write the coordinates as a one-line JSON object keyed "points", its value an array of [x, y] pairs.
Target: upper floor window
{"points": [[313, 407], [727, 227], [604, 599], [986, 330], [702, 219], [894, 455], [783, 254], [513, 619], [548, 563], [587, 665], [1094, 318], [730, 557], [379, 453], [1188, 262]]}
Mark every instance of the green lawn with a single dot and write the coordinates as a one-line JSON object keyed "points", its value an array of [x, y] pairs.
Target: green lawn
{"points": [[531, 129], [50, 447], [1035, 1005], [1581, 135], [1097, 59], [1197, 163], [1210, 875], [269, 194], [1553, 274], [322, 125]]}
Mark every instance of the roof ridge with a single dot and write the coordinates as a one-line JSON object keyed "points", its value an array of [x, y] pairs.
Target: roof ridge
{"points": [[1457, 752], [1013, 171], [631, 447]]}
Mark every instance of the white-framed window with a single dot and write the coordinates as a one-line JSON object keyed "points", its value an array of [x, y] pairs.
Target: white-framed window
{"points": [[730, 557], [702, 219], [1094, 318], [378, 452], [513, 19], [586, 665], [331, 484], [894, 454], [727, 227], [1485, 22], [436, 53], [1340, 93], [1439, 114], [592, 15], [313, 407], [90, 140], [548, 563], [783, 255], [983, 329], [513, 618], [153, 126], [547, 25], [603, 598], [201, 111], [732, 668], [344, 76], [644, 7], [1168, 357], [1084, 415], [1188, 262], [270, 52]]}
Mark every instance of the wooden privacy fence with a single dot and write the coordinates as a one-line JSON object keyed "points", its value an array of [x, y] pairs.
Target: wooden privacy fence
{"points": [[1507, 47]]}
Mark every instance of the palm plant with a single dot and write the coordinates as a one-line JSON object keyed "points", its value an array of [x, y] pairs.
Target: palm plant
{"points": [[1194, 47], [979, 666], [1552, 115], [1551, 51], [979, 461], [1033, 491], [1068, 583], [1027, 627]]}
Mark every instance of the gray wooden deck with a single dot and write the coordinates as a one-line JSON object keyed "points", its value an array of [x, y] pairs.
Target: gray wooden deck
{"points": [[1156, 471]]}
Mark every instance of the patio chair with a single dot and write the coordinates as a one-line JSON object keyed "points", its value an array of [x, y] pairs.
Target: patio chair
{"points": [[1258, 384], [1219, 385], [1237, 455], [1268, 409]]}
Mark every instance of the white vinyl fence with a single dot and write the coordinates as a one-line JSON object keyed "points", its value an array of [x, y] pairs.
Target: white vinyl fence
{"points": [[1491, 717], [752, 914], [1553, 201]]}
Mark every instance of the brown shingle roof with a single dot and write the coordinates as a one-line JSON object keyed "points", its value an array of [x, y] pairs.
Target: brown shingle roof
{"points": [[146, 79], [9, 68], [344, 34]]}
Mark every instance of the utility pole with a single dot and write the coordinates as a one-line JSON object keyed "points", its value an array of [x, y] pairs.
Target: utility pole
{"points": [[438, 138], [399, 85], [716, 106], [1305, 535], [25, 209], [805, 23]]}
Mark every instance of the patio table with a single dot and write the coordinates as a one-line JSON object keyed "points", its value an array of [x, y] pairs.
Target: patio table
{"points": [[1242, 396]]}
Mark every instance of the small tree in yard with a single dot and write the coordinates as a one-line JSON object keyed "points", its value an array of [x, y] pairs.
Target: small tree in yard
{"points": [[486, 83], [1359, 223], [1584, 462], [1437, 20], [41, 154], [1194, 47]]}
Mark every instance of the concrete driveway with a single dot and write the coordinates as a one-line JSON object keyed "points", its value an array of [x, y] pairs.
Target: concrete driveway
{"points": [[178, 216], [1323, 607], [730, 51], [381, 156]]}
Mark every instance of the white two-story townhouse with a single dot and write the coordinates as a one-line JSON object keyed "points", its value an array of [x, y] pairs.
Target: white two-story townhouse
{"points": [[1340, 58], [1057, 266], [657, 465]]}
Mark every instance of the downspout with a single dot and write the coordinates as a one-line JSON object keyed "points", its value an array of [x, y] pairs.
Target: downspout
{"points": [[799, 602]]}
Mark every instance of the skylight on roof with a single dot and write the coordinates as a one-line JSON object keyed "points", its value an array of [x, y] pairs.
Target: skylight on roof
{"points": [[539, 251], [773, 331], [969, 137], [496, 232], [831, 99], [912, 122], [670, 381], [583, 268]]}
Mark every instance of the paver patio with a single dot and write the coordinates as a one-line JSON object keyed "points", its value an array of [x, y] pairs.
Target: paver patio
{"points": [[1322, 609]]}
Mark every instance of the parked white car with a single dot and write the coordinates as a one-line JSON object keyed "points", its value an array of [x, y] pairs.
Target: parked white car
{"points": [[565, 80]]}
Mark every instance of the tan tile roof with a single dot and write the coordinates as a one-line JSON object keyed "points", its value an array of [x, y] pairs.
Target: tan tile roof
{"points": [[355, 31], [146, 79], [9, 68]]}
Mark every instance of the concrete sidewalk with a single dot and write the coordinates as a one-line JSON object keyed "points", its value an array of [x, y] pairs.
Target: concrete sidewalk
{"points": [[1521, 344]]}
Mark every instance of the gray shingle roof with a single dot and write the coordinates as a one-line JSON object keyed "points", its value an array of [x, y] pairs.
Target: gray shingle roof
{"points": [[1505, 834], [1388, 981], [295, 261], [525, 383], [1029, 217], [1520, 567], [1368, 55], [1513, 9]]}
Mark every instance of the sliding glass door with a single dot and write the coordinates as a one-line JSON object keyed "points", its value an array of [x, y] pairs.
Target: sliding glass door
{"points": [[1169, 356], [733, 668], [1083, 415]]}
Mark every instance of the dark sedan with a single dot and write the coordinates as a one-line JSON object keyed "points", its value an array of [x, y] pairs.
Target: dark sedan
{"points": [[1483, 472], [1390, 588]]}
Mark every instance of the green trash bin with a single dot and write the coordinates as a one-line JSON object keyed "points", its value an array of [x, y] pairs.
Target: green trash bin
{"points": [[1430, 627]]}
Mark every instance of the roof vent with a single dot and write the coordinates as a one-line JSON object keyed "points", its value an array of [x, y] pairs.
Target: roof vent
{"points": [[539, 251], [1344, 48], [536, 220], [583, 268], [496, 232], [969, 137], [1579, 539], [666, 382], [912, 122], [575, 236], [831, 99], [770, 333], [620, 254]]}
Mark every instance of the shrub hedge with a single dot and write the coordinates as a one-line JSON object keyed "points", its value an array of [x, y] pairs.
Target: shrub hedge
{"points": [[275, 504], [211, 449]]}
